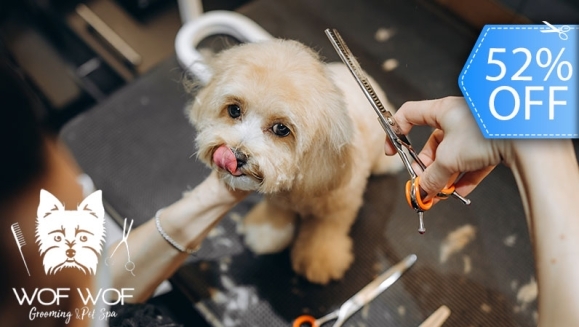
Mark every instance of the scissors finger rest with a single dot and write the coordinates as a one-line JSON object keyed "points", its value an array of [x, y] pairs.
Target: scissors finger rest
{"points": [[414, 198]]}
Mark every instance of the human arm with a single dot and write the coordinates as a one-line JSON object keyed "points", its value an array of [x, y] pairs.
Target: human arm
{"points": [[548, 180], [187, 222], [547, 176]]}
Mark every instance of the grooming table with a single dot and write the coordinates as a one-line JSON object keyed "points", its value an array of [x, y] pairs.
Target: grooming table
{"points": [[138, 147]]}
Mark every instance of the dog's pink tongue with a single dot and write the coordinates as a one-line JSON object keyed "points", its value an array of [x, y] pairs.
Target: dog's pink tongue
{"points": [[224, 158]]}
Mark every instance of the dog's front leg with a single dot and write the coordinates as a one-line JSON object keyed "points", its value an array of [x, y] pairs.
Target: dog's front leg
{"points": [[269, 228], [323, 249]]}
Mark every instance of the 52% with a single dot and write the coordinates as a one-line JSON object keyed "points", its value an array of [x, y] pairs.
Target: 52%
{"points": [[532, 94]]}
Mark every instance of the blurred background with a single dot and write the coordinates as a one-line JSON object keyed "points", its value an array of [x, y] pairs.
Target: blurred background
{"points": [[77, 53]]}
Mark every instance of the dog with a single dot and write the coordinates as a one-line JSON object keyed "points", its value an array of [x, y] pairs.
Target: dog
{"points": [[70, 238], [274, 118]]}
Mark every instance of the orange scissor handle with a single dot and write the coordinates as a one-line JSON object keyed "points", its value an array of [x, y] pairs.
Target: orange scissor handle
{"points": [[305, 321], [420, 203], [446, 192]]}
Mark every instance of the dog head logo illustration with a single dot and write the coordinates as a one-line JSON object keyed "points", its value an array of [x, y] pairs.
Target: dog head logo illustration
{"points": [[70, 238]]}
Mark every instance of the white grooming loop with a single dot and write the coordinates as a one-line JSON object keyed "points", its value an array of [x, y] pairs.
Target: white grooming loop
{"points": [[219, 22]]}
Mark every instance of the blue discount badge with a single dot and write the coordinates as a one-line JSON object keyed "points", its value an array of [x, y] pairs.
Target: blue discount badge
{"points": [[520, 81]]}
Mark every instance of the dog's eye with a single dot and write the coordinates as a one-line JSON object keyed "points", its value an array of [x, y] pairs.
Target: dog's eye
{"points": [[234, 111], [57, 238], [280, 130], [83, 238]]}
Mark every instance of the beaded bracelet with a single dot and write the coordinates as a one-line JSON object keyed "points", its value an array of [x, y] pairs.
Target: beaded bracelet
{"points": [[169, 239]]}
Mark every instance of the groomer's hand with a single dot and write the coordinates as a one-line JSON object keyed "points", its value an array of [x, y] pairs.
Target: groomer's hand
{"points": [[456, 145]]}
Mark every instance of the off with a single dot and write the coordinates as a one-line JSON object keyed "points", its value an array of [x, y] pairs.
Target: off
{"points": [[528, 101]]}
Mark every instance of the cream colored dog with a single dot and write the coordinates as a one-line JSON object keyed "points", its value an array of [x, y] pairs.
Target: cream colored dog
{"points": [[275, 119]]}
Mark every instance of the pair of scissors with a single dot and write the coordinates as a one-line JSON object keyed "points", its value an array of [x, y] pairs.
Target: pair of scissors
{"points": [[562, 30], [399, 140], [364, 296], [129, 266]]}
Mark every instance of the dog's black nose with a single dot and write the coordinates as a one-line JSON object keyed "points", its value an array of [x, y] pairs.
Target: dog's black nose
{"points": [[70, 253], [241, 158]]}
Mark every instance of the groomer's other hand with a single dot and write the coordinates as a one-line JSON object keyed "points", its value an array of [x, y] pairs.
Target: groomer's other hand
{"points": [[224, 191], [456, 145]]}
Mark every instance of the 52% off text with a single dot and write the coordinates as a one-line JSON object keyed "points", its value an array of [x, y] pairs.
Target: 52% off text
{"points": [[533, 91]]}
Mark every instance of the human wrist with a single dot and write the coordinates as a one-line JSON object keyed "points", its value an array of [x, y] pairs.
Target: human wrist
{"points": [[175, 244], [538, 152]]}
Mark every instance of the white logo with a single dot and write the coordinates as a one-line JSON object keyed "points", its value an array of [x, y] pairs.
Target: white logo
{"points": [[70, 238]]}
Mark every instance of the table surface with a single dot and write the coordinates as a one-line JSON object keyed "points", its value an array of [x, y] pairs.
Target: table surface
{"points": [[138, 148]]}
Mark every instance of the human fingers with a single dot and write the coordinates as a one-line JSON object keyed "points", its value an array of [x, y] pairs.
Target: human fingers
{"points": [[389, 148], [435, 177], [214, 184], [427, 155], [445, 162], [428, 152], [426, 112], [450, 161], [469, 181]]}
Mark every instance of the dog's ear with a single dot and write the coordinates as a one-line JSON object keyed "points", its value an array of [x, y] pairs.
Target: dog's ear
{"points": [[93, 204], [328, 159], [328, 168], [48, 204], [194, 109]]}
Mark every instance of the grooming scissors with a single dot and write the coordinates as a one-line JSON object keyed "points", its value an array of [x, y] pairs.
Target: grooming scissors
{"points": [[399, 140], [363, 297], [129, 266]]}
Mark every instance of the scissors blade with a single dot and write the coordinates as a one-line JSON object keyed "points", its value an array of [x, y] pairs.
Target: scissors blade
{"points": [[399, 140], [553, 28], [384, 116], [370, 291], [130, 226]]}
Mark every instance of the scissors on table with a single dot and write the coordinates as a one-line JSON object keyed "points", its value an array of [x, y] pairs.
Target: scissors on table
{"points": [[129, 266], [399, 140], [364, 296]]}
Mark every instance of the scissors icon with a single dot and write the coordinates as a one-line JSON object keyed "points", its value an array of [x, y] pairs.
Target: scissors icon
{"points": [[129, 266], [399, 140], [562, 30], [364, 296]]}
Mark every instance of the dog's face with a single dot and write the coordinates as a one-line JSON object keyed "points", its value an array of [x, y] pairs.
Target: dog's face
{"points": [[70, 238], [271, 119]]}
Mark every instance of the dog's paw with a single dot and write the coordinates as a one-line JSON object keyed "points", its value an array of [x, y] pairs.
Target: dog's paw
{"points": [[265, 238], [268, 228], [322, 261]]}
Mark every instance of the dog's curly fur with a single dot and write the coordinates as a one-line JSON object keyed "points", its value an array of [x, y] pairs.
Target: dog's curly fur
{"points": [[317, 172]]}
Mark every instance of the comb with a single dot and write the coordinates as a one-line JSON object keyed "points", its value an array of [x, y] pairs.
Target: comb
{"points": [[20, 242]]}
